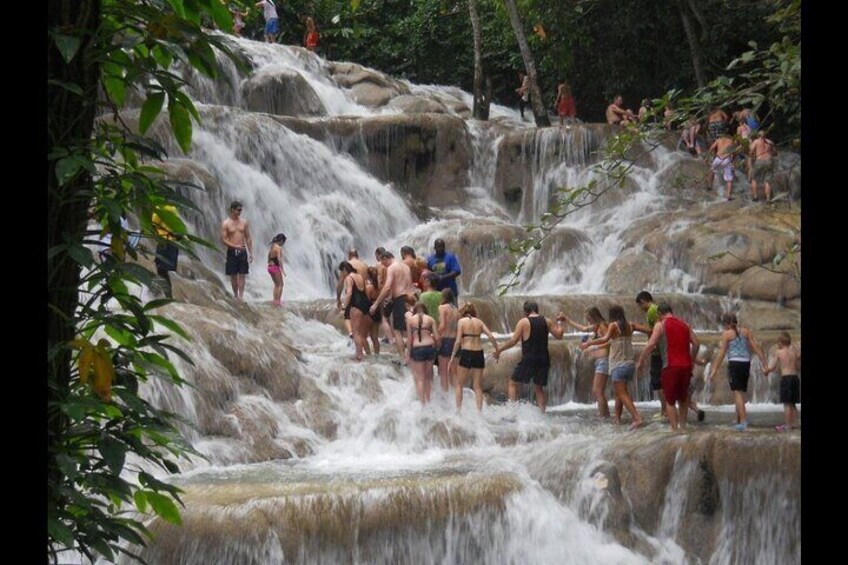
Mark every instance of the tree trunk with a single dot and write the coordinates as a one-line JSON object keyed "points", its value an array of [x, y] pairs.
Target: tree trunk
{"points": [[539, 111], [694, 48], [481, 102], [70, 118]]}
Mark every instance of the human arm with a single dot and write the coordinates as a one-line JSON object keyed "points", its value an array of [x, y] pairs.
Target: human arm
{"points": [[644, 328], [248, 241], [460, 332], [555, 328], [656, 335], [348, 292], [516, 337], [563, 318], [695, 346], [720, 356], [601, 340], [384, 293], [756, 346], [452, 269], [492, 338]]}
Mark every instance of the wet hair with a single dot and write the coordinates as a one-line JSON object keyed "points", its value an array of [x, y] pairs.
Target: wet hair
{"points": [[420, 307], [664, 308], [352, 253], [372, 274], [236, 204], [729, 319], [279, 238], [530, 307], [616, 314], [468, 309], [387, 255], [644, 296], [407, 250], [439, 242], [379, 251], [784, 338], [345, 266], [447, 296], [593, 314]]}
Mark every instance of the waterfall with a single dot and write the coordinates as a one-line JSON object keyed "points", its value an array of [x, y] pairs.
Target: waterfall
{"points": [[312, 457]]}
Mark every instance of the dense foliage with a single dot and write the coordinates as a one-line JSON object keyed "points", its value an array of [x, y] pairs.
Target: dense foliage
{"points": [[601, 47], [104, 439]]}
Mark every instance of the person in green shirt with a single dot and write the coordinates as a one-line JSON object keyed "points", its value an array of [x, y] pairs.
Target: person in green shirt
{"points": [[431, 297]]}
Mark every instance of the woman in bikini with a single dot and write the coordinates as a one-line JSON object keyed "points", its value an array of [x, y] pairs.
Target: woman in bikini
{"points": [[470, 348], [275, 267], [354, 295], [448, 317], [421, 349], [598, 327]]}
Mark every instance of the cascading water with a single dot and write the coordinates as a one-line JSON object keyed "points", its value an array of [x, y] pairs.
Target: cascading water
{"points": [[314, 458]]}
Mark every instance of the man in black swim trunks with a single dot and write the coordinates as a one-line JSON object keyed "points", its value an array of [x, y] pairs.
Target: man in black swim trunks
{"points": [[398, 285], [235, 234], [535, 363]]}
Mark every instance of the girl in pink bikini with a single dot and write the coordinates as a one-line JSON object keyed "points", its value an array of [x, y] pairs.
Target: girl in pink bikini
{"points": [[275, 267]]}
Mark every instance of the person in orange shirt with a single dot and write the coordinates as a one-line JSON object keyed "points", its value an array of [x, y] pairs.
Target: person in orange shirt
{"points": [[310, 39], [565, 103]]}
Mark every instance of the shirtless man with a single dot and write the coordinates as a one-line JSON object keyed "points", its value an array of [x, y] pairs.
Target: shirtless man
{"points": [[717, 124], [723, 148], [235, 234], [618, 115], [386, 310], [398, 285], [407, 254], [361, 270], [762, 150]]}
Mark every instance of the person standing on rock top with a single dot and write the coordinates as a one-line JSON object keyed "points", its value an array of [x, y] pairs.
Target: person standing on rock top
{"points": [[272, 28], [235, 235]]}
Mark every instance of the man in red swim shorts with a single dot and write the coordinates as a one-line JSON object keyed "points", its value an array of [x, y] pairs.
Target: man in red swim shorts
{"points": [[679, 347]]}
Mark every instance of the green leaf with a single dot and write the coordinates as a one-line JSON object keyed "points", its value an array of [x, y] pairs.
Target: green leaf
{"points": [[69, 86], [180, 124], [114, 453], [151, 108], [81, 255], [116, 89], [171, 325], [67, 169], [121, 336], [60, 533], [164, 507], [221, 16], [140, 498], [67, 45], [178, 7]]}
